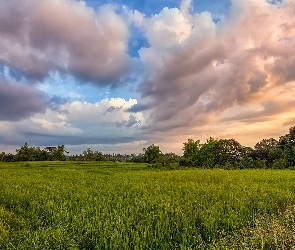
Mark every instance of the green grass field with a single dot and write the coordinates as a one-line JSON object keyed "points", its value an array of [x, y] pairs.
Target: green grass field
{"points": [[66, 205]]}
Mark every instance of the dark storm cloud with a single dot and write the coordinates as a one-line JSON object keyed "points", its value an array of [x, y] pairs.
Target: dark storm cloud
{"points": [[277, 2], [132, 121], [127, 123], [113, 109], [43, 139], [138, 108], [19, 102]]}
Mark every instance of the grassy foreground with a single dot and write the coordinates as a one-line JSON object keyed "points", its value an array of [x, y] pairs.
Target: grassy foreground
{"points": [[65, 205]]}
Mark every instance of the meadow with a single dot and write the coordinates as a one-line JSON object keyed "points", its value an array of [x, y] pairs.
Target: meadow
{"points": [[87, 205]]}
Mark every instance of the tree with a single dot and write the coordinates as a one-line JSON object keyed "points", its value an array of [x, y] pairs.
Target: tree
{"points": [[9, 158], [88, 155], [190, 151], [172, 157], [208, 154], [230, 152], [97, 156], [292, 136], [59, 153], [286, 146], [2, 156], [25, 153], [55, 153], [264, 150], [152, 153], [265, 146]]}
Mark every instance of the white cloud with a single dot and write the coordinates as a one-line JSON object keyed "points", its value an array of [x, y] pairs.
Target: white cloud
{"points": [[104, 122], [135, 17], [170, 27], [185, 6]]}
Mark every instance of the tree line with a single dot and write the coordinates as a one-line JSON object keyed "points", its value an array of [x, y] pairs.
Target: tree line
{"points": [[215, 153], [26, 153], [230, 154], [58, 153]]}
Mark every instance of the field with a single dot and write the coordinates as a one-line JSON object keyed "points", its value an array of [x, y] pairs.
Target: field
{"points": [[66, 205]]}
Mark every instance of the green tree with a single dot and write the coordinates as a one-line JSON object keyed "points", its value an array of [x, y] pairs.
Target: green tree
{"points": [[2, 156], [286, 145], [25, 153], [88, 155], [152, 153], [190, 152], [9, 158], [59, 153], [230, 152], [55, 153], [208, 154], [264, 150], [97, 156]]}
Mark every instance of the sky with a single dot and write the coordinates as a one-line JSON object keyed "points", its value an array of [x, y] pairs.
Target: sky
{"points": [[119, 75]]}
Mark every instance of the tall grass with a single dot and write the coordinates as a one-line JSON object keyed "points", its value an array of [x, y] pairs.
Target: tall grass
{"points": [[53, 205]]}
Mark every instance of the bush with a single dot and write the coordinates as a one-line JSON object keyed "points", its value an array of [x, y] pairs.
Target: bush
{"points": [[259, 163], [246, 163], [169, 166], [184, 162], [280, 164]]}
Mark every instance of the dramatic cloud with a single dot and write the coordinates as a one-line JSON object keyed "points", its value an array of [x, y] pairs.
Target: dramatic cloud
{"points": [[105, 122], [196, 69], [18, 102], [226, 75], [39, 37]]}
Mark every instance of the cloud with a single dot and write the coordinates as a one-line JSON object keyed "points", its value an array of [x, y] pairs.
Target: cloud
{"points": [[55, 102], [39, 37], [289, 122], [138, 108], [132, 121], [18, 102], [196, 69], [197, 77], [104, 122], [185, 6], [135, 17], [106, 111], [269, 108]]}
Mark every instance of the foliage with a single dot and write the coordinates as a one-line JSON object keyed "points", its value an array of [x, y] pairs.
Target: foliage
{"points": [[152, 154], [26, 153], [214, 153], [89, 155], [286, 145], [166, 161], [230, 154], [208, 154], [265, 150], [190, 151]]}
